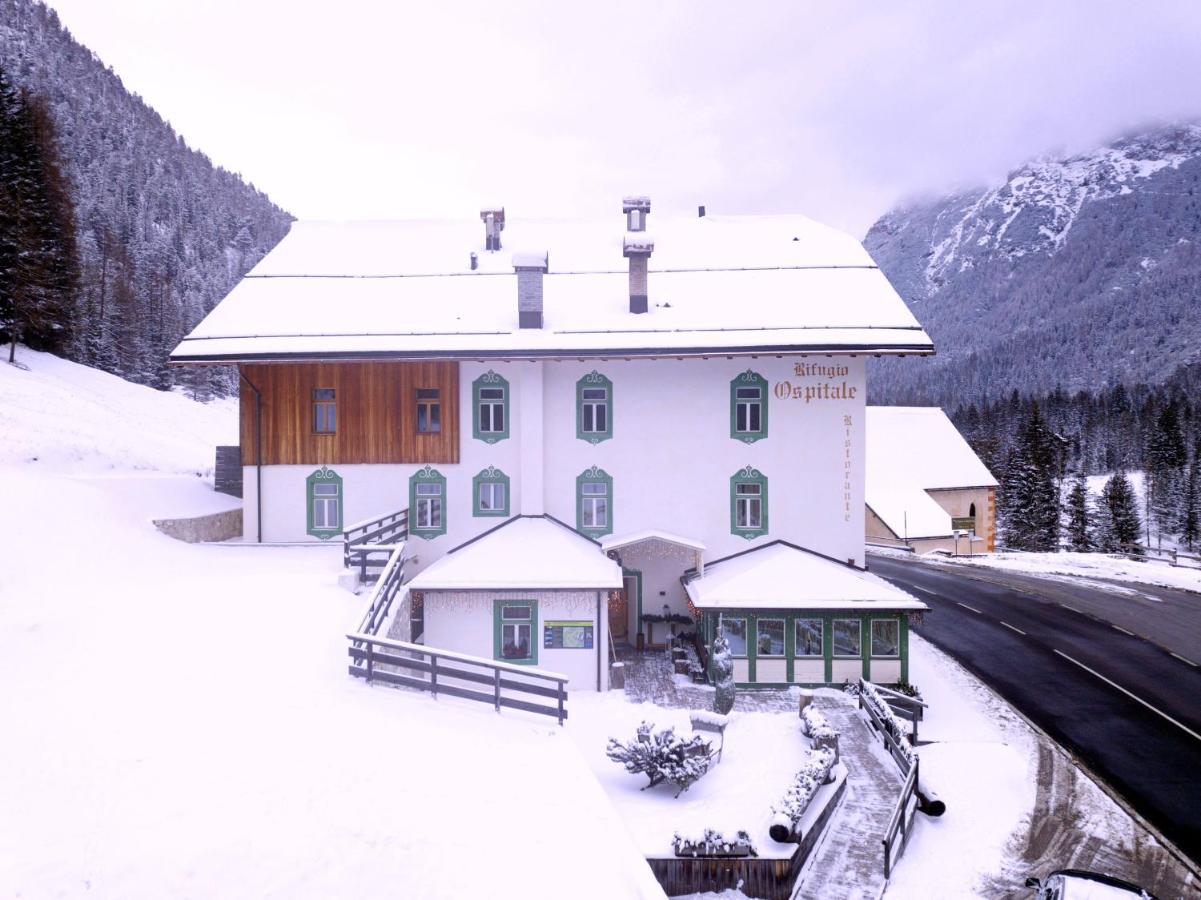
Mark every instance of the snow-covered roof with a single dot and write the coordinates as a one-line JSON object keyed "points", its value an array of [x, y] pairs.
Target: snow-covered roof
{"points": [[616, 541], [407, 290], [912, 450], [782, 576], [525, 552]]}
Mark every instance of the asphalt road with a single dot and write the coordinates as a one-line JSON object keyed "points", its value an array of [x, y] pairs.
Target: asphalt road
{"points": [[1122, 703]]}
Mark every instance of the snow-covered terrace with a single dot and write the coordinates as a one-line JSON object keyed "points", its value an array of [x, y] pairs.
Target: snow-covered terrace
{"points": [[407, 289]]}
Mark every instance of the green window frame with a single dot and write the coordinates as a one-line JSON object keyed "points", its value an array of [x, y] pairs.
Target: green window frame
{"points": [[748, 503], [594, 502], [594, 408], [767, 631], [843, 632], [323, 491], [427, 503], [808, 638], [515, 636], [748, 407], [490, 493], [735, 629], [325, 411], [888, 644], [490, 408]]}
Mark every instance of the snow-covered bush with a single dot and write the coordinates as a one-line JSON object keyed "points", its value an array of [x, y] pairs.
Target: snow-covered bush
{"points": [[713, 843], [721, 664], [815, 724], [662, 756], [872, 697], [813, 774]]}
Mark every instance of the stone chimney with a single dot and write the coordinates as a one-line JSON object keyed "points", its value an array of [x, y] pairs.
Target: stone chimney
{"points": [[530, 267], [636, 210], [637, 248], [494, 223]]}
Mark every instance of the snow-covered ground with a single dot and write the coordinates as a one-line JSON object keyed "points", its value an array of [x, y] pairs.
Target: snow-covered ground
{"points": [[179, 721], [1067, 564]]}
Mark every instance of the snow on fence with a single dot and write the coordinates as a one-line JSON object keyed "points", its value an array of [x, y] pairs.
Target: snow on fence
{"points": [[787, 813], [458, 675], [379, 604], [885, 721], [364, 543]]}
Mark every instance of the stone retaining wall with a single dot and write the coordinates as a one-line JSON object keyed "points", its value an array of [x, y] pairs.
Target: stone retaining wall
{"points": [[219, 526]]}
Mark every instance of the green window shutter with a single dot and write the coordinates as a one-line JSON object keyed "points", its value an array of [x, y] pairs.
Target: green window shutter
{"points": [[427, 503], [490, 493], [748, 407], [516, 621], [748, 503], [594, 408], [490, 408], [594, 502], [323, 492]]}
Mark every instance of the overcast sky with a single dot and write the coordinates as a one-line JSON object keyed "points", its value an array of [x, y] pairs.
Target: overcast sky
{"points": [[385, 108]]}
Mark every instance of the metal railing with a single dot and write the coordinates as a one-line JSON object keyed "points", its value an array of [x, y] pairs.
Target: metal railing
{"points": [[458, 675], [367, 543]]}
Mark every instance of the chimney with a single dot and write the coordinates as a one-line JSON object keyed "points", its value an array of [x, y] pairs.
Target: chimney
{"points": [[636, 210], [700, 212], [475, 261], [637, 249], [494, 223], [530, 267]]}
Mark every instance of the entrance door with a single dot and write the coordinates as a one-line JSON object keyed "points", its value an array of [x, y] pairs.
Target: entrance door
{"points": [[619, 612]]}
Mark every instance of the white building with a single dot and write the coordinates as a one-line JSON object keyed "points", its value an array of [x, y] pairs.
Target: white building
{"points": [[670, 401]]}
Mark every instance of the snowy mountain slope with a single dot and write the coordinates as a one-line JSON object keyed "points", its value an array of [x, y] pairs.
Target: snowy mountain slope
{"points": [[1076, 271], [76, 419]]}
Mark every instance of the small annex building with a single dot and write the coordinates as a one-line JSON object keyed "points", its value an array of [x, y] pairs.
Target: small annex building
{"points": [[792, 616], [925, 487]]}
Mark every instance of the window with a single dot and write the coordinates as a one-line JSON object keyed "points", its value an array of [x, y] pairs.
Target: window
{"points": [[324, 489], [594, 502], [491, 490], [769, 637], [735, 632], [325, 411], [594, 408], [490, 394], [748, 407], [886, 637], [427, 503], [429, 411], [808, 637], [514, 622], [846, 637], [748, 503]]}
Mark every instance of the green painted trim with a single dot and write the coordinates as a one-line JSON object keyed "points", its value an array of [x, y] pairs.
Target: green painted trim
{"points": [[427, 474], [904, 648], [490, 475], [637, 575], [593, 474], [489, 380], [328, 476], [593, 379], [748, 475], [535, 631], [748, 379]]}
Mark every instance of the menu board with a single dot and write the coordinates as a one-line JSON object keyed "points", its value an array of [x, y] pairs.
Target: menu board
{"points": [[567, 635]]}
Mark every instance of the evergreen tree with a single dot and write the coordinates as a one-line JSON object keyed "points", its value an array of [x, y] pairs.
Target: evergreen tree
{"points": [[1079, 526], [1119, 518], [1165, 458], [1190, 526], [1030, 500]]}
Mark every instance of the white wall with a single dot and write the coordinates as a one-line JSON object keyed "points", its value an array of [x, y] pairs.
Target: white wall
{"points": [[671, 458]]}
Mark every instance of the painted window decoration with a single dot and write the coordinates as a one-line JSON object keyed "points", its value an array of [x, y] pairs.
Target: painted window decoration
{"points": [[325, 411], [491, 491], [490, 396], [769, 637], [429, 411], [594, 502], [748, 503], [735, 632], [847, 638], [808, 637], [324, 488], [513, 631], [748, 407], [886, 637], [427, 503], [594, 408]]}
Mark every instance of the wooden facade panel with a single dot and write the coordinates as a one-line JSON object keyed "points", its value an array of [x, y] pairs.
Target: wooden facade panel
{"points": [[376, 413]]}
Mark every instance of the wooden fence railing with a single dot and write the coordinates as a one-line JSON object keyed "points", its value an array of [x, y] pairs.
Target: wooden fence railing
{"points": [[379, 604], [428, 669], [896, 742], [369, 543], [900, 823]]}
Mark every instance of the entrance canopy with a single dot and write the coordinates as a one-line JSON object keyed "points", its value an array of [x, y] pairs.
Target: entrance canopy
{"points": [[651, 536]]}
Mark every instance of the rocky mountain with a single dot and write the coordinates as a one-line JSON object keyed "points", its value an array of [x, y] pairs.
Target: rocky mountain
{"points": [[162, 233], [1077, 273]]}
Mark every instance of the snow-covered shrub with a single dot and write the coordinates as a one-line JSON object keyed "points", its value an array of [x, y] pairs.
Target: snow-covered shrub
{"points": [[713, 843], [909, 690], [815, 724], [813, 774], [662, 756], [721, 664], [872, 697]]}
